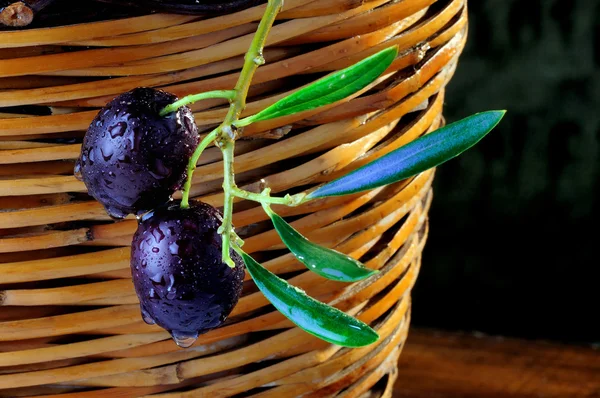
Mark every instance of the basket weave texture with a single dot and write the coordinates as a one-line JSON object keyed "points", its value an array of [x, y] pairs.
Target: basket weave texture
{"points": [[70, 323]]}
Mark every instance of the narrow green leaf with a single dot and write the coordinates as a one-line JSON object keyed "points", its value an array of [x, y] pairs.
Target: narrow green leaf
{"points": [[419, 155], [328, 263], [329, 89], [314, 317]]}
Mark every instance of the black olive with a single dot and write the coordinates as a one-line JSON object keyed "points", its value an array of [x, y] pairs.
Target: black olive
{"points": [[132, 159], [181, 282]]}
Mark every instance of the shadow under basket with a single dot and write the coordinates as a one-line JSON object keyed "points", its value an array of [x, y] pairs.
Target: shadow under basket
{"points": [[70, 322]]}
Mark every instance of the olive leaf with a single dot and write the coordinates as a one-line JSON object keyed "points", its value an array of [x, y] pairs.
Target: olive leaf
{"points": [[329, 89], [415, 157], [314, 317], [328, 263]]}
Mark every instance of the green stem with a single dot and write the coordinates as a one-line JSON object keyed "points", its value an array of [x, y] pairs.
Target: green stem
{"points": [[192, 166], [288, 200], [228, 186], [252, 60], [225, 134], [190, 99]]}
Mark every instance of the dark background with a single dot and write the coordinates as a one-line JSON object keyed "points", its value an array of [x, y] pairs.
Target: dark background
{"points": [[513, 237]]}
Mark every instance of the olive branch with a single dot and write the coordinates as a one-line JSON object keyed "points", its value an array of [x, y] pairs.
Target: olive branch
{"points": [[429, 151]]}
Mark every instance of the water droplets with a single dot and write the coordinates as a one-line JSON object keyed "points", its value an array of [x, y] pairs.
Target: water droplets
{"points": [[174, 248], [123, 158], [115, 213], [158, 280], [155, 249], [184, 339], [189, 124], [158, 235], [77, 170], [171, 290], [142, 242], [297, 289], [259, 60], [146, 316], [132, 140]]}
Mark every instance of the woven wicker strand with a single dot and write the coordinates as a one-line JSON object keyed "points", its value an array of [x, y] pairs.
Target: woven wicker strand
{"points": [[69, 318]]}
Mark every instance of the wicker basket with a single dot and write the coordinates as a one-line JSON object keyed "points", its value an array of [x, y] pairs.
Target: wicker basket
{"points": [[70, 323]]}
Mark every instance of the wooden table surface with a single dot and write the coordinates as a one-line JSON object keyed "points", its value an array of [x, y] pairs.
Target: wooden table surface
{"points": [[443, 365]]}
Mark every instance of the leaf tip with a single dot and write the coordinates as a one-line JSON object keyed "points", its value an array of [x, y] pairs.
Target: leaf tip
{"points": [[391, 51], [497, 114], [370, 338], [376, 337], [366, 275]]}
